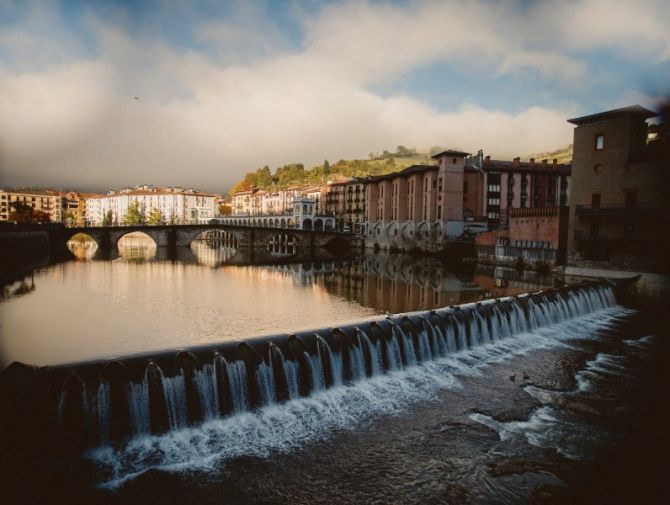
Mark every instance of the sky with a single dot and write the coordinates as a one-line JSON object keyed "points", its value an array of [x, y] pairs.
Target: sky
{"points": [[98, 95]]}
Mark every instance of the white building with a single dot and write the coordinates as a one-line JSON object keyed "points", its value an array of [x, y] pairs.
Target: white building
{"points": [[176, 205], [300, 215], [260, 202]]}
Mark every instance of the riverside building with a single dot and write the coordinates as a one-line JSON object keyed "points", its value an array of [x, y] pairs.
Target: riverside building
{"points": [[620, 191], [176, 205], [526, 206], [421, 206], [45, 200], [347, 202]]}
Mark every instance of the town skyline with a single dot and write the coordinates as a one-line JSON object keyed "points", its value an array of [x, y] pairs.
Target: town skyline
{"points": [[105, 95]]}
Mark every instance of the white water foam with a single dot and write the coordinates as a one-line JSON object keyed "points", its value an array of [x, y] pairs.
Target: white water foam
{"points": [[547, 428], [283, 427]]}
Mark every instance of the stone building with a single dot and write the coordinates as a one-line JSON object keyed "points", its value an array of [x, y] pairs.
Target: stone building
{"points": [[620, 191]]}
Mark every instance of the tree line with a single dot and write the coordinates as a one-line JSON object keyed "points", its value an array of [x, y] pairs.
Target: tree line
{"points": [[293, 174]]}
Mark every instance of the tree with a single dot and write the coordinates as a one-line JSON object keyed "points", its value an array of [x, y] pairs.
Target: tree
{"points": [[155, 217], [326, 168], [69, 217], [39, 216], [108, 218], [22, 213], [135, 215]]}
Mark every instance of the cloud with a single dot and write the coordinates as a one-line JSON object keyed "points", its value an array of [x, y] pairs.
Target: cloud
{"points": [[245, 95]]}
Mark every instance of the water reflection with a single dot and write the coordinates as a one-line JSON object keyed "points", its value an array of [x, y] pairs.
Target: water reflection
{"points": [[18, 288], [145, 298], [211, 253], [82, 246], [137, 247]]}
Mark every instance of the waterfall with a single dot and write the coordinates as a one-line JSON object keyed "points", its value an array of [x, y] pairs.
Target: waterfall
{"points": [[112, 405]]}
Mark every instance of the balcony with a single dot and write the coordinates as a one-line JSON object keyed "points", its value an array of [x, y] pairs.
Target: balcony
{"points": [[534, 211]]}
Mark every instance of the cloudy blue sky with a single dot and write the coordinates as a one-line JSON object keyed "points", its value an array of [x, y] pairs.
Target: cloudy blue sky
{"points": [[225, 87]]}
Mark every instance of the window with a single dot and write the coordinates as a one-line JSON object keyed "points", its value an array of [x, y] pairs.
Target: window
{"points": [[599, 142], [595, 201], [465, 186]]}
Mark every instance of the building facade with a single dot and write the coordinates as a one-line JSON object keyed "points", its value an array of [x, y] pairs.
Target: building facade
{"points": [[526, 206], [418, 207], [620, 191], [347, 202], [261, 202], [47, 201], [176, 205], [301, 215]]}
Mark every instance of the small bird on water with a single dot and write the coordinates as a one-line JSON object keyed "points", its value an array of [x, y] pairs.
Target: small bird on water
{"points": [[512, 377], [525, 376]]}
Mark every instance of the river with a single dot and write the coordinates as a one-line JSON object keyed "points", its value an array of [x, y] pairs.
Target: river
{"points": [[562, 409]]}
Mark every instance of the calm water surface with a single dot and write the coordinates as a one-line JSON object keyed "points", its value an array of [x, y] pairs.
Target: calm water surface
{"points": [[106, 305]]}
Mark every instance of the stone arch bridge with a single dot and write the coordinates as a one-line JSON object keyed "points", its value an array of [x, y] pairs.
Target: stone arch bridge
{"points": [[246, 237]]}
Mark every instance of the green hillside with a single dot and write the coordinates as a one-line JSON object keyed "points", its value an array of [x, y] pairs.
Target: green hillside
{"points": [[295, 173]]}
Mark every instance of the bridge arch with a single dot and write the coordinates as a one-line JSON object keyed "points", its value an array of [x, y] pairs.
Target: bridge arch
{"points": [[228, 238], [307, 224], [135, 239], [82, 245]]}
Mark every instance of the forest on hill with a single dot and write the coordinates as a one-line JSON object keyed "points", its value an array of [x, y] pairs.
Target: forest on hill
{"points": [[294, 174]]}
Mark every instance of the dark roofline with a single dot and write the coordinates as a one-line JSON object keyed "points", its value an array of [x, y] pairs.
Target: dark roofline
{"points": [[451, 152], [405, 172], [526, 166], [633, 110]]}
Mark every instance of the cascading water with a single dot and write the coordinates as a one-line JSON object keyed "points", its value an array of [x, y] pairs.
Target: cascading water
{"points": [[200, 392]]}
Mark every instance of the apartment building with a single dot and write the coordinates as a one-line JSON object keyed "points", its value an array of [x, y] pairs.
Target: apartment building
{"points": [[420, 206], [347, 202], [526, 206], [46, 200], [176, 205]]}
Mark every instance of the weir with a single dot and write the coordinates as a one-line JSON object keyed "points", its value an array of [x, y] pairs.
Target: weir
{"points": [[94, 403]]}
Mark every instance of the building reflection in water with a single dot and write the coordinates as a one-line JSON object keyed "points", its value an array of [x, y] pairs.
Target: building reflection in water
{"points": [[211, 254], [402, 283], [387, 283], [18, 288]]}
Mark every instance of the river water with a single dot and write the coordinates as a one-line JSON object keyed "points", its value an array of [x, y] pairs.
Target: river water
{"points": [[566, 411]]}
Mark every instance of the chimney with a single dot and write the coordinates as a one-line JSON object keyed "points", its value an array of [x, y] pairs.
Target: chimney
{"points": [[532, 160], [516, 161], [555, 161], [488, 158], [544, 162]]}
